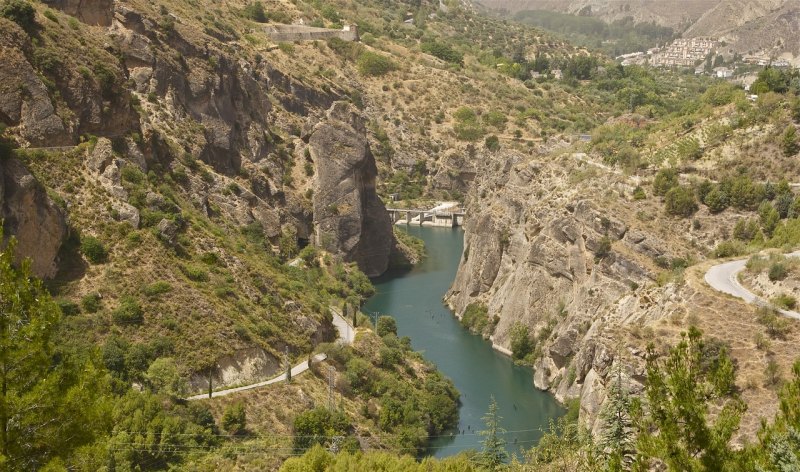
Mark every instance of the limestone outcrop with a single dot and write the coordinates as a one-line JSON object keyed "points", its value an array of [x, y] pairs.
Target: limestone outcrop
{"points": [[349, 218], [577, 272], [31, 217]]}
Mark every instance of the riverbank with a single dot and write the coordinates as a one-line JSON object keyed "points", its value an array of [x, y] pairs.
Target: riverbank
{"points": [[478, 369]]}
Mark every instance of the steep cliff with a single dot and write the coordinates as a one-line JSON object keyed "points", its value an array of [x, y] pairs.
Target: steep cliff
{"points": [[349, 218], [30, 215], [562, 252]]}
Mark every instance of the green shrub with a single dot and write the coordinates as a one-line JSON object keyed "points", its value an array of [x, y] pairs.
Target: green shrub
{"points": [[386, 325], [789, 143], [93, 250], [443, 52], [777, 271], [492, 143], [255, 11], [716, 200], [521, 342], [469, 131], [679, 201], [318, 426], [194, 273], [157, 288], [234, 419], [603, 248], [729, 249], [475, 317], [372, 64], [129, 312], [69, 308], [785, 301], [638, 193], [91, 303], [20, 12], [665, 180]]}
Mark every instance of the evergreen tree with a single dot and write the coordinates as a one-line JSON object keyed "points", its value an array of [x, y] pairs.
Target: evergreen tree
{"points": [[789, 142], [493, 455], [618, 436], [676, 430], [46, 410]]}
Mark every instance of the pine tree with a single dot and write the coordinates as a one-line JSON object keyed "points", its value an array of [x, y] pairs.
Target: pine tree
{"points": [[618, 434], [493, 455], [676, 429], [46, 411], [789, 141]]}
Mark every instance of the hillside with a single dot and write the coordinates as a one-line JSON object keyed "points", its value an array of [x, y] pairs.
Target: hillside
{"points": [[747, 27], [676, 14], [197, 195]]}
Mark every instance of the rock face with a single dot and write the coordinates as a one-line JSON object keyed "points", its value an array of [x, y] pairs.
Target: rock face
{"points": [[24, 100], [545, 253], [349, 218], [91, 12], [29, 215]]}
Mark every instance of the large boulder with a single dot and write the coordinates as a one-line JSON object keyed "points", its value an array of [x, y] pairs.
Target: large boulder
{"points": [[349, 218], [29, 215]]}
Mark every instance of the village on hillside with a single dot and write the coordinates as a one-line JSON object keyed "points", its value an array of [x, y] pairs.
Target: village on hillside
{"points": [[706, 57]]}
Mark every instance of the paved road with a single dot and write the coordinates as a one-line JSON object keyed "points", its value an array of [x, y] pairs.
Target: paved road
{"points": [[296, 370], [724, 278], [346, 334]]}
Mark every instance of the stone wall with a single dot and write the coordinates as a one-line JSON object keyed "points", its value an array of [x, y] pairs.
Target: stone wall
{"points": [[309, 33]]}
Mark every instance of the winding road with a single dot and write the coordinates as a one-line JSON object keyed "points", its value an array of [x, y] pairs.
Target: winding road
{"points": [[725, 278], [347, 335]]}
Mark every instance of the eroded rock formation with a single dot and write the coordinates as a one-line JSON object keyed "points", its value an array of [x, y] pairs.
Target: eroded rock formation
{"points": [[31, 217], [349, 218]]}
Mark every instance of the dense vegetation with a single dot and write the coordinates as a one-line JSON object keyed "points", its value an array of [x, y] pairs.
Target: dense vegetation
{"points": [[671, 424], [615, 38]]}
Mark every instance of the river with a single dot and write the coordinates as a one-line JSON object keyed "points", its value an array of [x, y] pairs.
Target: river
{"points": [[414, 299]]}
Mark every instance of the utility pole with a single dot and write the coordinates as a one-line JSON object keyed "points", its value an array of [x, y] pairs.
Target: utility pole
{"points": [[288, 365], [375, 315]]}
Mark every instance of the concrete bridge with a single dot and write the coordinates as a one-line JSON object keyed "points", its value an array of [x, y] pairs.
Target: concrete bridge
{"points": [[446, 214]]}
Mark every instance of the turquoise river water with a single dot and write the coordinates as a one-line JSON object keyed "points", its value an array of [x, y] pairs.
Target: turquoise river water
{"points": [[414, 299]]}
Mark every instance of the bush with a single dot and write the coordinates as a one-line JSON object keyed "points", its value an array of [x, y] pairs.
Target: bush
{"points": [[372, 64], [129, 312], [665, 180], [195, 273], [386, 325], [716, 200], [91, 303], [603, 248], [443, 52], [318, 426], [93, 250], [492, 143], [157, 288], [521, 343], [234, 419], [777, 271], [164, 377], [729, 249], [785, 301], [680, 202], [69, 308], [638, 194], [475, 317], [20, 12], [789, 143], [255, 11]]}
